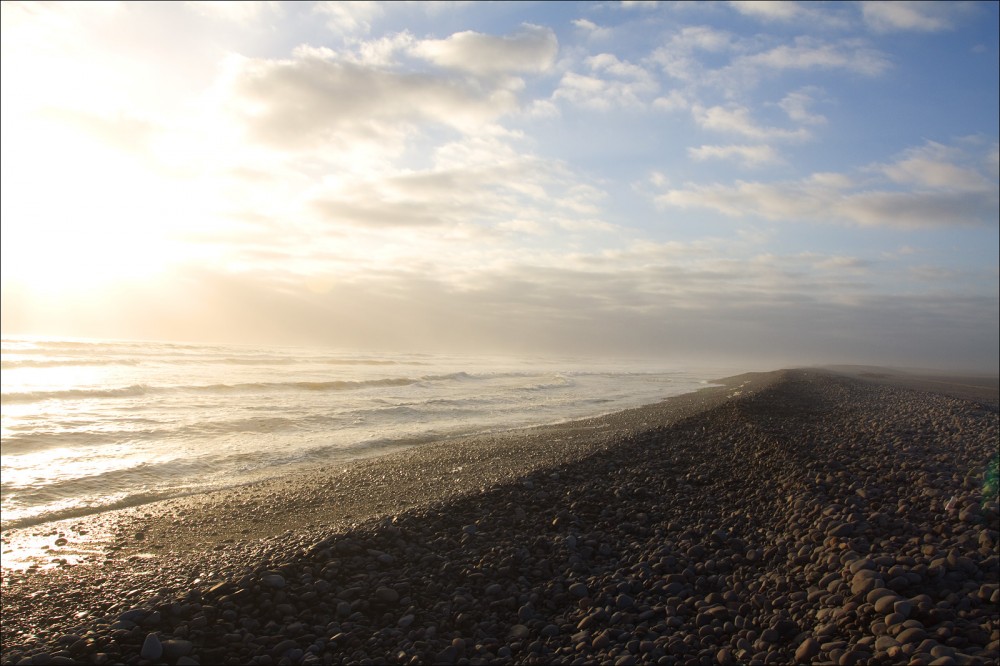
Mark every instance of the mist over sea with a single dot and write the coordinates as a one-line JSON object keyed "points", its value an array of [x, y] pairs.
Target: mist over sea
{"points": [[89, 426]]}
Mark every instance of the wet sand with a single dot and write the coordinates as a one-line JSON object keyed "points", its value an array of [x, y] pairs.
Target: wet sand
{"points": [[761, 521]]}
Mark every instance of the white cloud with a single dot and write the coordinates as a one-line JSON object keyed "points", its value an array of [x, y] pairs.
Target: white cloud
{"points": [[592, 30], [935, 166], [349, 18], [317, 97], [705, 56], [750, 156], [787, 11], [796, 105], [841, 263], [703, 38], [236, 12], [943, 195], [382, 52], [612, 83], [611, 64], [900, 15], [531, 49], [992, 161], [772, 10], [672, 101], [737, 120], [679, 58], [808, 53]]}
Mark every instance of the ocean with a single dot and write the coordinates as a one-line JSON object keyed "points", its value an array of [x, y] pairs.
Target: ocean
{"points": [[89, 426]]}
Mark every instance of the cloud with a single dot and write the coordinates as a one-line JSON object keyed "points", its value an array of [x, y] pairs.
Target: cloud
{"points": [[934, 166], [737, 120], [672, 101], [679, 58], [318, 97], [611, 83], [992, 161], [787, 11], [899, 16], [942, 194], [808, 53], [750, 156], [770, 10], [693, 55], [796, 104], [349, 18], [236, 12], [531, 49], [592, 30], [703, 38]]}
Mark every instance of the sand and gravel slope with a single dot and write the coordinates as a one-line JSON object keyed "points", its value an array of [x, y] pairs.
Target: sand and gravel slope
{"points": [[797, 516]]}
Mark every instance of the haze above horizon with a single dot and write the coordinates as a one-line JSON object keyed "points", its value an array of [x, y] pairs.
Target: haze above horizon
{"points": [[779, 182]]}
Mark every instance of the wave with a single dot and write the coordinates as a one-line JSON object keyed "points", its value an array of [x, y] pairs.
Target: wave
{"points": [[74, 394], [13, 364], [96, 505], [9, 364], [137, 390]]}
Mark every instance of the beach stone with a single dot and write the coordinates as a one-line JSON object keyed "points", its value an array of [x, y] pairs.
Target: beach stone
{"points": [[175, 648], [151, 647], [878, 593], [724, 657], [275, 581], [132, 615], [386, 595], [747, 574], [886, 604], [911, 635], [519, 632], [865, 575], [883, 643], [807, 650]]}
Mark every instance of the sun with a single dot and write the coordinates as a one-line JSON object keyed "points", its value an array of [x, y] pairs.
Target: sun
{"points": [[78, 214]]}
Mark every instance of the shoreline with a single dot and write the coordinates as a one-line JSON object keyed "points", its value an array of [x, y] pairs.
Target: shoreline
{"points": [[306, 494], [725, 458], [326, 449]]}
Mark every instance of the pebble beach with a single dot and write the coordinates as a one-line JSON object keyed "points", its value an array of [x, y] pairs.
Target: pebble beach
{"points": [[799, 516]]}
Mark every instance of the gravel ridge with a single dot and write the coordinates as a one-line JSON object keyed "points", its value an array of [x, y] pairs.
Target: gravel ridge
{"points": [[791, 517]]}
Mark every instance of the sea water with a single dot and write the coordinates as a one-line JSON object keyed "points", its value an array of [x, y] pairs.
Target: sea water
{"points": [[89, 426]]}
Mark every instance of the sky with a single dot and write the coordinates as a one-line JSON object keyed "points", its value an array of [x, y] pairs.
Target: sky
{"points": [[765, 182]]}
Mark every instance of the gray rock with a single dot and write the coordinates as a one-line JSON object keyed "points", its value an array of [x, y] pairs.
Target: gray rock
{"points": [[519, 632], [174, 648], [151, 647], [275, 581], [386, 595]]}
